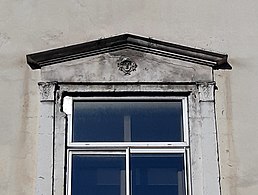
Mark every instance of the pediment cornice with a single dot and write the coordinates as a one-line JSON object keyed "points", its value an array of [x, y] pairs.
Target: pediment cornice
{"points": [[128, 41]]}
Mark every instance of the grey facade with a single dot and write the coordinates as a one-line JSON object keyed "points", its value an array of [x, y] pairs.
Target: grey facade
{"points": [[225, 27]]}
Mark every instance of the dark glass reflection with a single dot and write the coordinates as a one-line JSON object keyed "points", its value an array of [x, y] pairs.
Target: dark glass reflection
{"points": [[98, 175], [157, 174], [127, 121]]}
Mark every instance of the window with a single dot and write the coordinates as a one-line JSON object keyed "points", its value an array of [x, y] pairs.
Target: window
{"points": [[127, 115], [127, 145]]}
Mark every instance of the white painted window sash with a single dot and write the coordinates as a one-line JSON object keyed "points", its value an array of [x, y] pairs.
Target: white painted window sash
{"points": [[68, 109], [127, 152]]}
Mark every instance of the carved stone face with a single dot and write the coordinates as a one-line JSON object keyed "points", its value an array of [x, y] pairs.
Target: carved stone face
{"points": [[126, 65]]}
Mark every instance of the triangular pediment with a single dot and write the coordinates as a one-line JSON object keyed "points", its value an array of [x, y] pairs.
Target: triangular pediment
{"points": [[127, 58], [128, 41]]}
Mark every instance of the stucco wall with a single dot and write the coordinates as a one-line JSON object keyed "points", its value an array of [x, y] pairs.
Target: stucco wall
{"points": [[230, 27]]}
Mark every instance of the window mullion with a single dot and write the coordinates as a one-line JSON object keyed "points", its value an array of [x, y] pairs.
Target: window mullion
{"points": [[127, 171], [187, 172]]}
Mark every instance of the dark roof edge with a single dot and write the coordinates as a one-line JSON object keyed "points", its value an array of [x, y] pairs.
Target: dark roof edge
{"points": [[44, 58]]}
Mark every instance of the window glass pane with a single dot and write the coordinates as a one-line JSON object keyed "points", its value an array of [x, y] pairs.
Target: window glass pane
{"points": [[127, 121], [98, 175], [157, 174], [157, 121], [98, 121]]}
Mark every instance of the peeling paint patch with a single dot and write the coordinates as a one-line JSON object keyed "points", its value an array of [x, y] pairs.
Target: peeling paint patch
{"points": [[82, 3], [52, 37], [4, 38]]}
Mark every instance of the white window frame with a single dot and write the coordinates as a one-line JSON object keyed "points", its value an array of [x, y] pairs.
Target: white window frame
{"points": [[127, 148]]}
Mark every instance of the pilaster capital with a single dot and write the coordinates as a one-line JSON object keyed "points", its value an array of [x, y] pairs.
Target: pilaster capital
{"points": [[206, 91], [47, 91]]}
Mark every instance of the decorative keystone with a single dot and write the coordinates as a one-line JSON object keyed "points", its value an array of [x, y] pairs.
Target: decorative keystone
{"points": [[126, 65]]}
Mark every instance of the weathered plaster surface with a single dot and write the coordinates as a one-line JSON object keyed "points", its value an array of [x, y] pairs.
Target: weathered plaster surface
{"points": [[104, 67], [224, 26]]}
